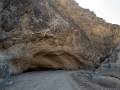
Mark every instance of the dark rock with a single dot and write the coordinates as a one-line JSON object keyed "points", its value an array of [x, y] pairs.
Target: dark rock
{"points": [[3, 36]]}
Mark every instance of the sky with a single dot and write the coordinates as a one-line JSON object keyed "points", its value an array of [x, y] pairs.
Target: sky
{"points": [[106, 9]]}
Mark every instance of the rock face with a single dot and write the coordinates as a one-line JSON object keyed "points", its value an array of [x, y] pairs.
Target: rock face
{"points": [[53, 34]]}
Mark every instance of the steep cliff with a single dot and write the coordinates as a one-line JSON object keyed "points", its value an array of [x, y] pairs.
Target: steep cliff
{"points": [[54, 34]]}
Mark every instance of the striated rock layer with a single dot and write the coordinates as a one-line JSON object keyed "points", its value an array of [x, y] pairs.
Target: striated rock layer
{"points": [[53, 34]]}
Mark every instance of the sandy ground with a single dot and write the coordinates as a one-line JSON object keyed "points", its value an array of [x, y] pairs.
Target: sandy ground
{"points": [[52, 80], [105, 78]]}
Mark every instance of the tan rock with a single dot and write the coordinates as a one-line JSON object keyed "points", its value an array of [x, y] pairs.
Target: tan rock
{"points": [[54, 34]]}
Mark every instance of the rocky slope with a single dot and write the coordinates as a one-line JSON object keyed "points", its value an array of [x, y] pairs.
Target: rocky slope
{"points": [[53, 34]]}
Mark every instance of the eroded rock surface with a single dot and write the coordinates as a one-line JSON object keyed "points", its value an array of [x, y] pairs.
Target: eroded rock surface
{"points": [[55, 34]]}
